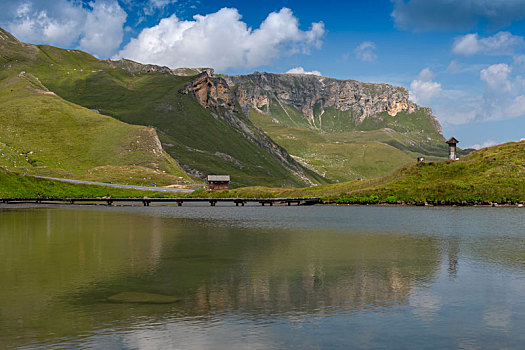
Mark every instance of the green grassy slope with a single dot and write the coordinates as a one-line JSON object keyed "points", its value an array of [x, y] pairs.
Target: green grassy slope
{"points": [[494, 174], [189, 133], [44, 134], [13, 185], [373, 149]]}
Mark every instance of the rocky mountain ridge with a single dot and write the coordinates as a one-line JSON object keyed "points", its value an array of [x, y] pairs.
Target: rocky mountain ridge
{"points": [[312, 95]]}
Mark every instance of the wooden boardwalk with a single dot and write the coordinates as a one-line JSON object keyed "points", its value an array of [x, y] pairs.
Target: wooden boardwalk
{"points": [[179, 201]]}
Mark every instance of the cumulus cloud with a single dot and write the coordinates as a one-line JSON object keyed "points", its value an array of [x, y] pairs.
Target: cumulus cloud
{"points": [[366, 51], [502, 43], [221, 40], [422, 15], [423, 89], [111, 18], [97, 27], [497, 78], [300, 70], [503, 97]]}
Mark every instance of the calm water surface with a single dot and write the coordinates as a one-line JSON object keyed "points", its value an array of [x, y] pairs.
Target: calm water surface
{"points": [[263, 277]]}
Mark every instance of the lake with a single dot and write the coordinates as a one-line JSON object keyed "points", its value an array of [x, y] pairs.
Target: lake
{"points": [[321, 277]]}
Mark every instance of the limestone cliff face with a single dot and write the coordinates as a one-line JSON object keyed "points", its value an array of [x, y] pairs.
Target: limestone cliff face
{"points": [[211, 91], [313, 94]]}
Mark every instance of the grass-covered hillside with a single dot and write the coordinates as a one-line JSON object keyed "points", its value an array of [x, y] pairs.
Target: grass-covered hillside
{"points": [[43, 134], [14, 185], [375, 148], [348, 155], [494, 174], [193, 135]]}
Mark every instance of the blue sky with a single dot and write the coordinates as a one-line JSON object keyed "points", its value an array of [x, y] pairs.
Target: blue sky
{"points": [[463, 58]]}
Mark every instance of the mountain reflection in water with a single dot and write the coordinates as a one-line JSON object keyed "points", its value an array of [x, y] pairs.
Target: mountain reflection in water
{"points": [[270, 269]]}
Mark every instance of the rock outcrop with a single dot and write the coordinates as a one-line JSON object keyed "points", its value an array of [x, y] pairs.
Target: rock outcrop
{"points": [[211, 92], [313, 94]]}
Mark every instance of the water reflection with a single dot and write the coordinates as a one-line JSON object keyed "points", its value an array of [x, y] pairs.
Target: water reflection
{"points": [[271, 287]]}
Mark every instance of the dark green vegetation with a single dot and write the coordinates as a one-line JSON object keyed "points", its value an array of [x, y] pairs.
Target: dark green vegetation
{"points": [[193, 135], [494, 174]]}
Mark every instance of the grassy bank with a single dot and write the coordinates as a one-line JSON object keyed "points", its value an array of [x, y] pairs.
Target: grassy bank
{"points": [[13, 185], [490, 175]]}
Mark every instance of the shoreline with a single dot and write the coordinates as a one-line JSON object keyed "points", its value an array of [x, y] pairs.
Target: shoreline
{"points": [[22, 205]]}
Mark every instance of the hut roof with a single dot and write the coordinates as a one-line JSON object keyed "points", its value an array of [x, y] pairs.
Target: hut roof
{"points": [[218, 178], [452, 140]]}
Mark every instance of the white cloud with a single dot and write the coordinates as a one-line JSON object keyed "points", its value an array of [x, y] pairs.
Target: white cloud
{"points": [[497, 78], [423, 89], [97, 28], [454, 107], [221, 40], [300, 70], [455, 67], [103, 43], [421, 15], [503, 98], [487, 143], [515, 108], [502, 43], [365, 51], [426, 75], [161, 3]]}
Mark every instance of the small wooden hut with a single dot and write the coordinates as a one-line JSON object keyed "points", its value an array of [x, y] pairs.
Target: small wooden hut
{"points": [[219, 182], [452, 148]]}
